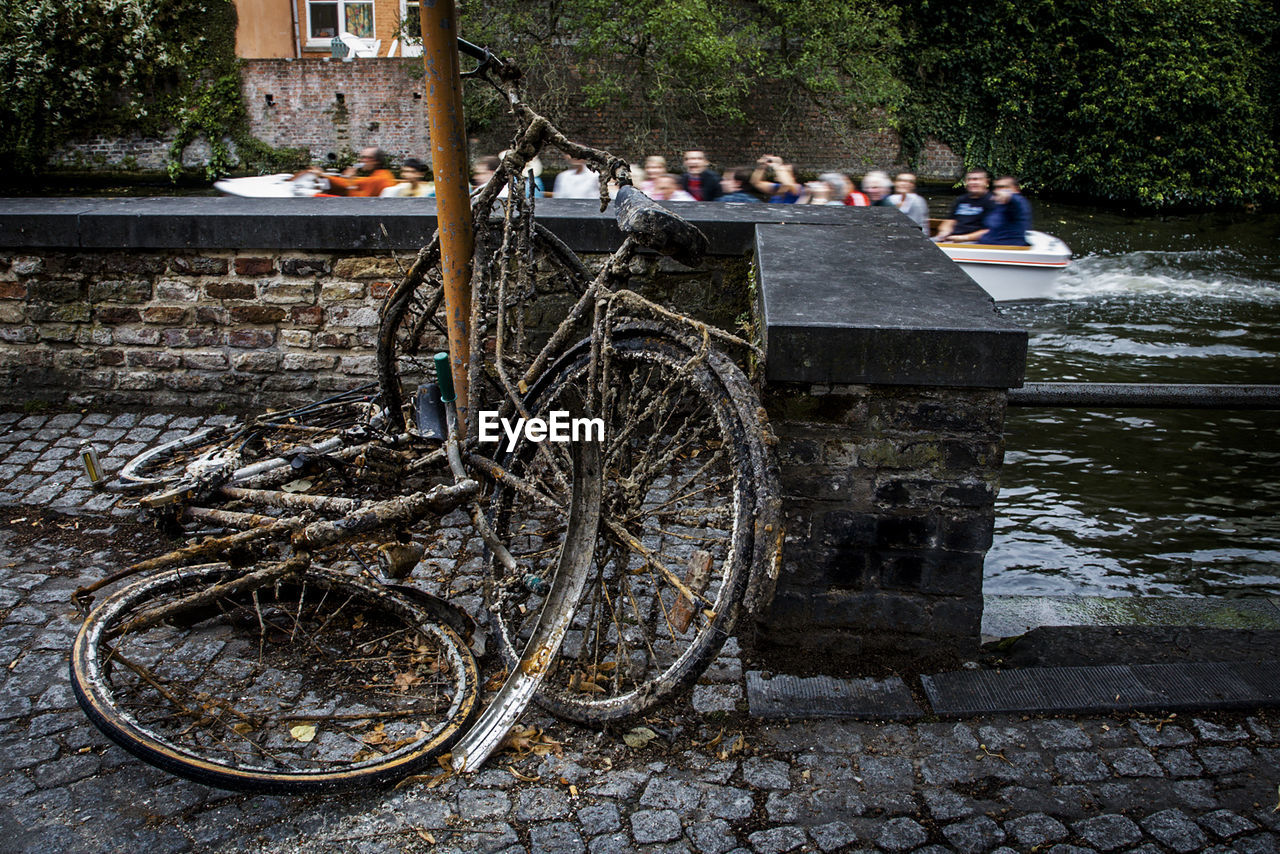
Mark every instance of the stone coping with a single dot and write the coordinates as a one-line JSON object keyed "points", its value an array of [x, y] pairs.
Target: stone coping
{"points": [[847, 295]]}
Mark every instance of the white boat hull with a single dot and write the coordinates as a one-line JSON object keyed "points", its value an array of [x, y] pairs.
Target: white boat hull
{"points": [[1012, 273], [271, 186]]}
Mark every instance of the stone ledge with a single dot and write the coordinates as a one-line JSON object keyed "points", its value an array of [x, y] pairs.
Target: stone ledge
{"points": [[847, 295], [334, 225], [878, 304]]}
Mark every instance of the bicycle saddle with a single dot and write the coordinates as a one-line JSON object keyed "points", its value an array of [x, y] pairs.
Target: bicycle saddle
{"points": [[657, 228]]}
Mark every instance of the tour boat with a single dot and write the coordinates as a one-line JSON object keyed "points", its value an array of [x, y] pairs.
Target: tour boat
{"points": [[1013, 272], [272, 186]]}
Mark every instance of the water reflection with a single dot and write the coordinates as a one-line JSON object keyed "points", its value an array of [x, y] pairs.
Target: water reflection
{"points": [[1114, 502]]}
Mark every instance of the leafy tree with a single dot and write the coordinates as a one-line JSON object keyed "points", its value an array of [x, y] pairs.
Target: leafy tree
{"points": [[1159, 102], [68, 70], [669, 65]]}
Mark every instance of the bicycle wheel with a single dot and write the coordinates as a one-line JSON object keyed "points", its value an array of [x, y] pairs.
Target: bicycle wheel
{"points": [[411, 330], [258, 446], [683, 475], [311, 680]]}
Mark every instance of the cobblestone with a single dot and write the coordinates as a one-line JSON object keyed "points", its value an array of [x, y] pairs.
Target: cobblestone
{"points": [[1036, 829], [901, 834], [766, 774], [976, 834], [1108, 832], [1172, 827], [655, 826], [1225, 824], [1004, 783], [776, 840]]}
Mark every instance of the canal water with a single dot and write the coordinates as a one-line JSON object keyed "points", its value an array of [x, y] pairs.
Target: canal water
{"points": [[1116, 502]]}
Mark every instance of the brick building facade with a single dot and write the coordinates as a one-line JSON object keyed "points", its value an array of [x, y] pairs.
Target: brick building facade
{"points": [[332, 108]]}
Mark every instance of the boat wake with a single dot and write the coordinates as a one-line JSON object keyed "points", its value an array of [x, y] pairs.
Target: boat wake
{"points": [[1199, 274]]}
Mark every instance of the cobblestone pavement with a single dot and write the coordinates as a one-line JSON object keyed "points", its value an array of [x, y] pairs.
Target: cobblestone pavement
{"points": [[712, 781]]}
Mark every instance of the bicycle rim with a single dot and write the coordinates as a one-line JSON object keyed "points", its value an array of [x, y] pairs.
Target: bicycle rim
{"points": [[675, 547], [317, 681], [265, 442]]}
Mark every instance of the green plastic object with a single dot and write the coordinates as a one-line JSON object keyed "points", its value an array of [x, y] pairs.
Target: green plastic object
{"points": [[444, 378]]}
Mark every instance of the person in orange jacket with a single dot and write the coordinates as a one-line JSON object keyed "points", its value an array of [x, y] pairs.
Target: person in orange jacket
{"points": [[376, 178]]}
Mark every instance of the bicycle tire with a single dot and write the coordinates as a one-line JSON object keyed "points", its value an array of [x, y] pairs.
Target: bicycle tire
{"points": [[410, 333], [655, 372], [222, 450], [166, 462], [215, 703]]}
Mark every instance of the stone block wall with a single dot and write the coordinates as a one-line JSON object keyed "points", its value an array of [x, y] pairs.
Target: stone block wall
{"points": [[230, 328], [217, 328], [888, 494]]}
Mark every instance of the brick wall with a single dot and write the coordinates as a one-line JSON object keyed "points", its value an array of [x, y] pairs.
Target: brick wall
{"points": [[330, 108], [888, 494], [232, 328]]}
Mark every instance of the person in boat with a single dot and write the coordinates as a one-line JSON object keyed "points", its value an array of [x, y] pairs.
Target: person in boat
{"points": [[698, 179], [536, 189], [366, 180], [876, 185], [906, 199], [667, 189], [576, 182], [734, 183], [783, 188], [844, 189], [1009, 217], [965, 225], [413, 181]]}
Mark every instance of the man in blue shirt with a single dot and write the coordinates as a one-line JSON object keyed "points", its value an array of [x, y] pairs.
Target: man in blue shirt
{"points": [[1010, 217], [965, 225]]}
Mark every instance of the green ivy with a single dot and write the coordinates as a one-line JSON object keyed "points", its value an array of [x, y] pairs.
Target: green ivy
{"points": [[674, 67], [116, 67], [1160, 103]]}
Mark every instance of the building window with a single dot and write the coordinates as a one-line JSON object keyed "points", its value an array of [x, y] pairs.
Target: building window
{"points": [[411, 27], [328, 18]]}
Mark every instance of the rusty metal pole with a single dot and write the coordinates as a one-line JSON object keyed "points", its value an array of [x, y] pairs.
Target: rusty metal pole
{"points": [[452, 176]]}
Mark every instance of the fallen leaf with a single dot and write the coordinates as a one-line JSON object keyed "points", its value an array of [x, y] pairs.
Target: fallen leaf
{"points": [[406, 680], [425, 836], [377, 735], [524, 741], [305, 733], [739, 745], [242, 728], [639, 737], [300, 485], [524, 778]]}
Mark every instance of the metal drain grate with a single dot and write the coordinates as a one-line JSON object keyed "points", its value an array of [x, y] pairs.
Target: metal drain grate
{"points": [[795, 697], [1149, 687]]}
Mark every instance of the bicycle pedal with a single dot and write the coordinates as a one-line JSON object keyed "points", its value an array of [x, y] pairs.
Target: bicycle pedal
{"points": [[428, 412]]}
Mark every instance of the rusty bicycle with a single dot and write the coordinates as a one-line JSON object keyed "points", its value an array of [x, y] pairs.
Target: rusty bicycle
{"points": [[287, 651]]}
